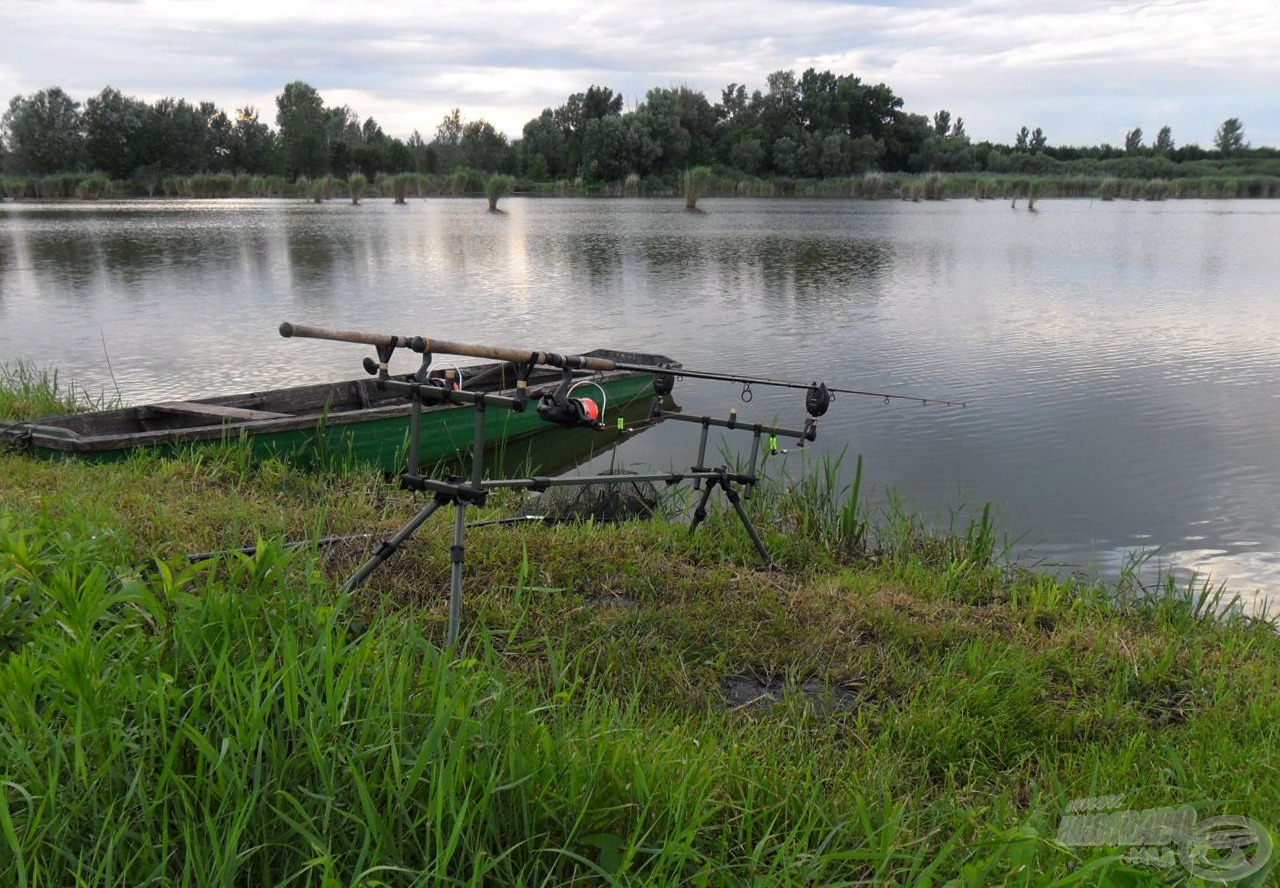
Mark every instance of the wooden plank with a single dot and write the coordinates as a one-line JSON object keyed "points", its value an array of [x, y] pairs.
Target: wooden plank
{"points": [[216, 411]]}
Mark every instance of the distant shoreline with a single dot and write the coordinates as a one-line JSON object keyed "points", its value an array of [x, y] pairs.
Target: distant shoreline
{"points": [[470, 183]]}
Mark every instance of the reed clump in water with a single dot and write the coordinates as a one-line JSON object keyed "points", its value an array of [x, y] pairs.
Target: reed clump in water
{"points": [[93, 186], [912, 190], [317, 191], [457, 182], [400, 187], [935, 187], [496, 187], [356, 187], [1034, 191], [695, 184], [872, 185]]}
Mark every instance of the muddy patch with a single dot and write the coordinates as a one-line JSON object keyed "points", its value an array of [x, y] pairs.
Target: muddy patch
{"points": [[821, 698]]}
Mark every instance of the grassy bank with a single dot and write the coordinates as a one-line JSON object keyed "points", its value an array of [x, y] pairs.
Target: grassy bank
{"points": [[630, 705]]}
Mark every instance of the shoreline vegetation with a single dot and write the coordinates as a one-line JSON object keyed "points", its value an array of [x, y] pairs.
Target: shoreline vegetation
{"points": [[809, 134], [692, 185], [629, 704]]}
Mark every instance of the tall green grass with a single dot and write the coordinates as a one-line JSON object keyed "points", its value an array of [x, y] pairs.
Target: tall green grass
{"points": [[29, 392], [236, 722]]}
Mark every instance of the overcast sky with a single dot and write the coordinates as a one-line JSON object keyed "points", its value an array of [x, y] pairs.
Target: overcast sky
{"points": [[1084, 70]]}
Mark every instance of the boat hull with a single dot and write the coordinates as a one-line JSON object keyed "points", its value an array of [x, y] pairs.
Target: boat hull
{"points": [[377, 436]]}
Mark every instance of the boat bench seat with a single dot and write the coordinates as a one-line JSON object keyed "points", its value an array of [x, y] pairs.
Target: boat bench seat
{"points": [[217, 411]]}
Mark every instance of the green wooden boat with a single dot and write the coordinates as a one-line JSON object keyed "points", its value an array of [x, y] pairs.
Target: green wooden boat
{"points": [[335, 422]]}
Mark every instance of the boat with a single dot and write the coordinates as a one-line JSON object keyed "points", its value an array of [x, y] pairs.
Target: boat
{"points": [[321, 424]]}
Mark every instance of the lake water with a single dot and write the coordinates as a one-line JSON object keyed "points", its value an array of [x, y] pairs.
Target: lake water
{"points": [[1120, 360]]}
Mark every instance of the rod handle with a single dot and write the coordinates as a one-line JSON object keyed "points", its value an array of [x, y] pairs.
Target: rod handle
{"points": [[288, 331]]}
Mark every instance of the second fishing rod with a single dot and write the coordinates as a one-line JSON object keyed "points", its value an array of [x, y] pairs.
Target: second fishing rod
{"points": [[817, 394]]}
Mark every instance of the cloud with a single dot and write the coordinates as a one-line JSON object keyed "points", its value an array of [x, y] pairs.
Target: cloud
{"points": [[1085, 71]]}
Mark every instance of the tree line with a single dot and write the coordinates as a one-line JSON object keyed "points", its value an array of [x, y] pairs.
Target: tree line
{"points": [[817, 124]]}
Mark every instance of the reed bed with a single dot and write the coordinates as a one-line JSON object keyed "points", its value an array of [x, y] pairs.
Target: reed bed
{"points": [[713, 181]]}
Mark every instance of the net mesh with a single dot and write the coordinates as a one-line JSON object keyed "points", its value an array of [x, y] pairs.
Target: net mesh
{"points": [[621, 501]]}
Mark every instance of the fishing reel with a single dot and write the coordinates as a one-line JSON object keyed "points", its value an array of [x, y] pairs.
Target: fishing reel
{"points": [[558, 408], [817, 399]]}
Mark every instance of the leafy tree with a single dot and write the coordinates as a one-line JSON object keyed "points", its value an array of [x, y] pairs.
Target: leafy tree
{"points": [[1038, 140], [947, 154], [600, 101], [864, 153], [698, 119], [604, 149], [342, 125], [659, 120], [113, 125], [253, 145], [1021, 141], [942, 124], [175, 138], [371, 132], [834, 160], [573, 116], [1230, 136], [44, 132], [1133, 141], [218, 138], [1164, 141], [449, 132], [780, 107], [304, 137], [423, 155], [906, 140], [786, 158], [483, 147], [398, 157], [747, 155], [543, 138], [733, 103]]}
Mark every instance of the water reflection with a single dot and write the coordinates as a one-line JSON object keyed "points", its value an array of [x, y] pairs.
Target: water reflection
{"points": [[67, 261]]}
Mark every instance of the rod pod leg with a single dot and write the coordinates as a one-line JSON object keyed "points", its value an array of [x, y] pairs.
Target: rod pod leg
{"points": [[700, 513], [736, 501], [391, 546], [456, 556]]}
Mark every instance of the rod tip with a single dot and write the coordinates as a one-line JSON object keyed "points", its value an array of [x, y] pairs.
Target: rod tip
{"points": [[286, 330]]}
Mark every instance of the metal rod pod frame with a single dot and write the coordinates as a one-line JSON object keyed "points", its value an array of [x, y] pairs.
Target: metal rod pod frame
{"points": [[460, 492]]}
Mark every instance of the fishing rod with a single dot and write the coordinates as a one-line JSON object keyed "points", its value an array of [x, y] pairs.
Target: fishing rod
{"points": [[817, 398]]}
